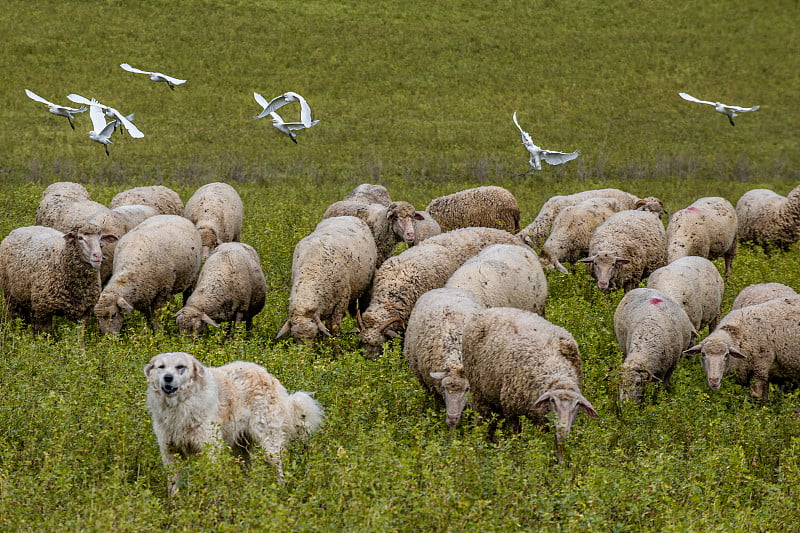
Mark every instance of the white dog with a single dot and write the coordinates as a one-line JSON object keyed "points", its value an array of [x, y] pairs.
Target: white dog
{"points": [[240, 404]]}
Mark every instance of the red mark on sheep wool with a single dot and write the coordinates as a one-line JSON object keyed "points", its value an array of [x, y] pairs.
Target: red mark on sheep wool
{"points": [[656, 301], [693, 209]]}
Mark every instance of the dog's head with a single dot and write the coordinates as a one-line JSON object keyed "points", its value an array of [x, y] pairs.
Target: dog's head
{"points": [[170, 373]]}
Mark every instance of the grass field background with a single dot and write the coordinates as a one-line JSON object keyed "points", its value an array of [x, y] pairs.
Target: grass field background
{"points": [[418, 97]]}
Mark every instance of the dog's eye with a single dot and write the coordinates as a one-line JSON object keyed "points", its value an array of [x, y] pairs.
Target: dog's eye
{"points": [[181, 369], [161, 366]]}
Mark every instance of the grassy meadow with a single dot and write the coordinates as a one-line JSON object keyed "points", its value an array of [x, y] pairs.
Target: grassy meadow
{"points": [[417, 97]]}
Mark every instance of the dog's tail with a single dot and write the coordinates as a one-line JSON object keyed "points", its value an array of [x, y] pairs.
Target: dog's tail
{"points": [[308, 413]]}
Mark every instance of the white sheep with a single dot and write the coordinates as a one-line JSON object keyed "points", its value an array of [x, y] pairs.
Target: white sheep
{"points": [[504, 275], [425, 227], [156, 259], [759, 343], [652, 330], [488, 206], [769, 219], [572, 230], [370, 194], [331, 269], [760, 293], [403, 278], [626, 248], [539, 229], [56, 198], [44, 272], [390, 224], [695, 283], [217, 211], [230, 288], [707, 228], [517, 363], [161, 198], [134, 214], [432, 345]]}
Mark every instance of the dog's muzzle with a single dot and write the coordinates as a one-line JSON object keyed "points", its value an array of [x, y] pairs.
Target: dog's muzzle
{"points": [[167, 386]]}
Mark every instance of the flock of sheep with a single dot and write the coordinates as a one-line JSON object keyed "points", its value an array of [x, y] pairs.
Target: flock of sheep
{"points": [[469, 293]]}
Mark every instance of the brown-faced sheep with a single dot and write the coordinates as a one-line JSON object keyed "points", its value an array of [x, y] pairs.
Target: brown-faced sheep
{"points": [[217, 211], [489, 207], [769, 219], [707, 228]]}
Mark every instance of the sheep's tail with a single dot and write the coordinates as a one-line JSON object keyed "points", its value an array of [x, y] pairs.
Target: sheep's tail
{"points": [[308, 413]]}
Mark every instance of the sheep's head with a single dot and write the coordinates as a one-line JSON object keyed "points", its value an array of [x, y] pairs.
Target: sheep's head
{"points": [[652, 205], [109, 310], [373, 337], [604, 265], [401, 216], [715, 352], [549, 261], [88, 239], [193, 320], [209, 238], [455, 391], [565, 403], [633, 381], [304, 328]]}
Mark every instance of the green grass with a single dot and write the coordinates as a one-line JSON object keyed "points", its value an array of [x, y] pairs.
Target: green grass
{"points": [[418, 97]]}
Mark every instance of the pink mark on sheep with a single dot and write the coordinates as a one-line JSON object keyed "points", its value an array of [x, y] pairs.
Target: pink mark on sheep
{"points": [[656, 301], [692, 208]]}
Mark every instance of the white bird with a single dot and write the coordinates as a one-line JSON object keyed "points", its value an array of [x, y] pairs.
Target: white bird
{"points": [[729, 110], [289, 127], [110, 112], [101, 131], [538, 154], [280, 101], [155, 76], [56, 109]]}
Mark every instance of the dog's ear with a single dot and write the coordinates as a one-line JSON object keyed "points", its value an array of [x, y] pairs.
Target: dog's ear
{"points": [[199, 369], [148, 367]]}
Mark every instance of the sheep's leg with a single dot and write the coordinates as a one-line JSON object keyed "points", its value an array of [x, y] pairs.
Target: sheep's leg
{"points": [[760, 388]]}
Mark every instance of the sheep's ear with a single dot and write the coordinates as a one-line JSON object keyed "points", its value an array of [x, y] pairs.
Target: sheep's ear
{"points": [[124, 305], [561, 268], [621, 261], [359, 319], [694, 335], [70, 236], [418, 216], [542, 401], [736, 353], [207, 319], [587, 407], [108, 238], [321, 326], [652, 377], [391, 333], [438, 375], [589, 259], [694, 350], [284, 330]]}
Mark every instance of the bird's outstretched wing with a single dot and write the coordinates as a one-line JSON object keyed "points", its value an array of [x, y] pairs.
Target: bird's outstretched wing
{"points": [[526, 137], [126, 66], [33, 96], [691, 98], [172, 80], [135, 132], [78, 99], [277, 103], [263, 102], [556, 158], [294, 126], [98, 118], [305, 110], [742, 109]]}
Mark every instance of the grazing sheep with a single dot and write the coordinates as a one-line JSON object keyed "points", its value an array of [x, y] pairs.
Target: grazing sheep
{"points": [[56, 199], [432, 345], [44, 272], [572, 230], [162, 199], [504, 275], [769, 219], [759, 343], [694, 282], [425, 227], [216, 210], [369, 194], [134, 214], [230, 288], [626, 248], [539, 229], [706, 228], [156, 259], [652, 330], [389, 224], [760, 293], [405, 277], [490, 207], [331, 269], [518, 363]]}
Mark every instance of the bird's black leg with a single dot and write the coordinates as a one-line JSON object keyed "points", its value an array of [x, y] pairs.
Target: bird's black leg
{"points": [[730, 119], [172, 87], [106, 147], [70, 123], [293, 140]]}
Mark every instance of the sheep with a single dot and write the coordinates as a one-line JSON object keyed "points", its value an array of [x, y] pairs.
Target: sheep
{"points": [[695, 283], [44, 272], [432, 345], [217, 211], [626, 248], [758, 343], [405, 277], [162, 199], [707, 228], [489, 206], [369, 194], [504, 275], [230, 288], [572, 230], [57, 197], [134, 214], [652, 330], [518, 363], [538, 230], [156, 259], [331, 269], [389, 224], [760, 293], [425, 227], [769, 219]]}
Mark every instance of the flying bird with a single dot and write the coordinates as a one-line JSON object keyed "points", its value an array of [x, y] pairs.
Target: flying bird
{"points": [[155, 76], [56, 109], [280, 101], [729, 110], [101, 131], [117, 117], [538, 154], [289, 128]]}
